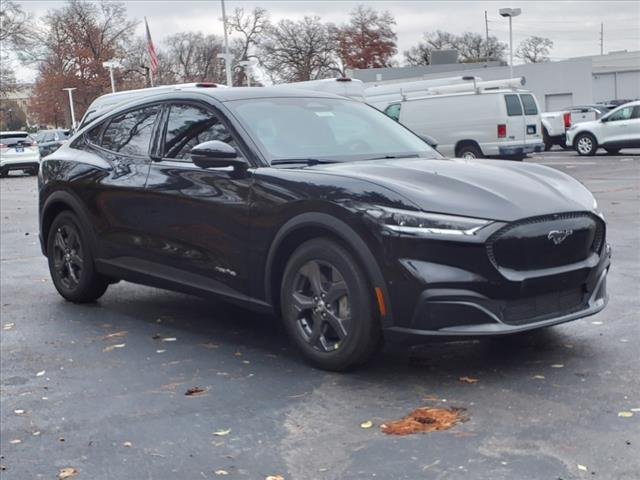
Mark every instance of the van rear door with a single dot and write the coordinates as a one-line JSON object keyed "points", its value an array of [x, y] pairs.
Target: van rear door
{"points": [[516, 122], [531, 118]]}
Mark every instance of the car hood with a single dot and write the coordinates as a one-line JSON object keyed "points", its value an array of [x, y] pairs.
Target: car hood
{"points": [[492, 189]]}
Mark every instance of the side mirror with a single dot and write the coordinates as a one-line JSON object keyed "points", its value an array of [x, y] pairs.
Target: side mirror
{"points": [[604, 119], [215, 154]]}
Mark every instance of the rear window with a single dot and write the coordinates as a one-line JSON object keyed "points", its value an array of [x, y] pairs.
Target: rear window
{"points": [[16, 135], [10, 139], [514, 107], [529, 103]]}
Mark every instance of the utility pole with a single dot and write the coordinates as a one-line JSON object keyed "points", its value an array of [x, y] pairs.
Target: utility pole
{"points": [[486, 29], [73, 113], [601, 38], [227, 55]]}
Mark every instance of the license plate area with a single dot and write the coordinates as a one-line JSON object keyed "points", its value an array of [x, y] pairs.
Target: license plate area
{"points": [[531, 129], [19, 148]]}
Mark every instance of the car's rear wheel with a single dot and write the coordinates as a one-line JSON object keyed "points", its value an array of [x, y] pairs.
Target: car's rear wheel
{"points": [[71, 263], [4, 173], [548, 143], [612, 151], [469, 151], [586, 144], [327, 306]]}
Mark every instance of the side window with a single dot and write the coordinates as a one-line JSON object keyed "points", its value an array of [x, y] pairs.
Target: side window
{"points": [[188, 126], [622, 114], [40, 137], [514, 107], [93, 135], [529, 103], [393, 111], [636, 112], [130, 133]]}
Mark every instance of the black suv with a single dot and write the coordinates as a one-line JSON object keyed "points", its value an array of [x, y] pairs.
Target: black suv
{"points": [[323, 211]]}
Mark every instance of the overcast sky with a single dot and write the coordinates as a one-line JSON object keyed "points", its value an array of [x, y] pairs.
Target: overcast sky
{"points": [[574, 27]]}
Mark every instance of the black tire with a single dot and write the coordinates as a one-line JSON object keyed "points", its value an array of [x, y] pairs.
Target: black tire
{"points": [[612, 151], [71, 262], [548, 143], [32, 171], [4, 173], [586, 144], [469, 151], [343, 332]]}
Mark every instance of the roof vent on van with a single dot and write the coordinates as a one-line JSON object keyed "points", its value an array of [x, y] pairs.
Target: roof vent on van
{"points": [[343, 79], [206, 85]]}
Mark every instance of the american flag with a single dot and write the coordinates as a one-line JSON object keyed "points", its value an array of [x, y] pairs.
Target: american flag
{"points": [[151, 50]]}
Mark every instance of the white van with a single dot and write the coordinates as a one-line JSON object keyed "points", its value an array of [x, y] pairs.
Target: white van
{"points": [[344, 86], [502, 122]]}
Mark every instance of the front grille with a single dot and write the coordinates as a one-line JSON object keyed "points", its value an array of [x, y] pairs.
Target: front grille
{"points": [[540, 307], [526, 244]]}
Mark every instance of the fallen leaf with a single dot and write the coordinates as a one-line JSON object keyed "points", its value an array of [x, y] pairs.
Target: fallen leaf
{"points": [[222, 433], [274, 477], [195, 391], [67, 472], [8, 326], [367, 424], [539, 377], [221, 472], [625, 414], [582, 467], [557, 365], [16, 441], [169, 339], [425, 419], [40, 373], [127, 444], [111, 347], [119, 334], [468, 379], [18, 411]]}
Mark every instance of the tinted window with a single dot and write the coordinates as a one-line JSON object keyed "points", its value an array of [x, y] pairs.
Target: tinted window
{"points": [[93, 135], [393, 111], [130, 133], [14, 135], [514, 108], [188, 126], [636, 112], [529, 103], [622, 114]]}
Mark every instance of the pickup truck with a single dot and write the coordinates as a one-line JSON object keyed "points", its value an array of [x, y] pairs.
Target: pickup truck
{"points": [[554, 127]]}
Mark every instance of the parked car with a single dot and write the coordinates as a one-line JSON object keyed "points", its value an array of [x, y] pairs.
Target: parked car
{"points": [[50, 140], [617, 129], [587, 113], [554, 126], [18, 151], [322, 210], [475, 124]]}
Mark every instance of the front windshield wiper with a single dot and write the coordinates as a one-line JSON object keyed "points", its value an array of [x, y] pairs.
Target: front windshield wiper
{"points": [[306, 161], [388, 157]]}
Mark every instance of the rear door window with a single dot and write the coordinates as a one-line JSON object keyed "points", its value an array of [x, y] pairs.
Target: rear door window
{"points": [[530, 107], [514, 107], [130, 133]]}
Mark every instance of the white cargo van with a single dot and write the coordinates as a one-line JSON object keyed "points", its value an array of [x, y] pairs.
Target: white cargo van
{"points": [[493, 122]]}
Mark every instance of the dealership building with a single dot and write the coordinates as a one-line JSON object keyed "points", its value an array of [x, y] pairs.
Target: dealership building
{"points": [[557, 85]]}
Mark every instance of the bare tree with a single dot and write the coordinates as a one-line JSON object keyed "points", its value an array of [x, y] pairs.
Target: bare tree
{"points": [[298, 51], [421, 53], [193, 57], [250, 26], [368, 40], [534, 49], [471, 47], [16, 33]]}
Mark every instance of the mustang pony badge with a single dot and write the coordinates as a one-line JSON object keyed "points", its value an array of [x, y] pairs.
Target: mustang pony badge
{"points": [[559, 236]]}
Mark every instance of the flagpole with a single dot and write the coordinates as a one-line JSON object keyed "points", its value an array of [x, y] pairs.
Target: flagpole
{"points": [[150, 74]]}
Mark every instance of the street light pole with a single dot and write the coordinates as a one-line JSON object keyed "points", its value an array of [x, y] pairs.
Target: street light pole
{"points": [[111, 65], [227, 55], [73, 113], [510, 12]]}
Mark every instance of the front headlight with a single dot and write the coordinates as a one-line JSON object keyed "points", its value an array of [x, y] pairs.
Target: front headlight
{"points": [[419, 223]]}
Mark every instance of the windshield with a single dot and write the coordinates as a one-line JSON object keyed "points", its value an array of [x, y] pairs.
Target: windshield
{"points": [[325, 128]]}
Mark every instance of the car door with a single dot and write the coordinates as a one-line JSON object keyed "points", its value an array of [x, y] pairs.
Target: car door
{"points": [[620, 128], [197, 219], [116, 199], [516, 122], [531, 117]]}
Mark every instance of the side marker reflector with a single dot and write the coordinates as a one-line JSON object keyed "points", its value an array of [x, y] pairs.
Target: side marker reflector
{"points": [[381, 305]]}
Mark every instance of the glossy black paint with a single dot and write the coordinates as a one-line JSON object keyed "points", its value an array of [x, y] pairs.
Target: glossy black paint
{"points": [[228, 231]]}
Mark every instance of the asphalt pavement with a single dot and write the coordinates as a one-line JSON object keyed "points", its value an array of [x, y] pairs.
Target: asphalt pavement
{"points": [[100, 389]]}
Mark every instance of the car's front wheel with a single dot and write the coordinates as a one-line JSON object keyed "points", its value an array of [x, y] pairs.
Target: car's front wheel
{"points": [[326, 305], [71, 262], [586, 144]]}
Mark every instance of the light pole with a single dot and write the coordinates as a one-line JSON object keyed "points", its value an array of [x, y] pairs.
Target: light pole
{"points": [[227, 55], [510, 12], [111, 65], [73, 113]]}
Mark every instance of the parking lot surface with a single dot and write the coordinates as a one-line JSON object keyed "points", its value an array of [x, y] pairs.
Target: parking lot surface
{"points": [[100, 388]]}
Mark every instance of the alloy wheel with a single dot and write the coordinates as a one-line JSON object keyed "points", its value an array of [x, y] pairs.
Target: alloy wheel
{"points": [[585, 145], [323, 309], [68, 256]]}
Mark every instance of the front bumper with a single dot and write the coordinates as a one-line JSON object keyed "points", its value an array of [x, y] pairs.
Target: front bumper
{"points": [[516, 150], [19, 165]]}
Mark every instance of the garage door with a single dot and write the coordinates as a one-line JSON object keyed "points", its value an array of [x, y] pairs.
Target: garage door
{"points": [[557, 101]]}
